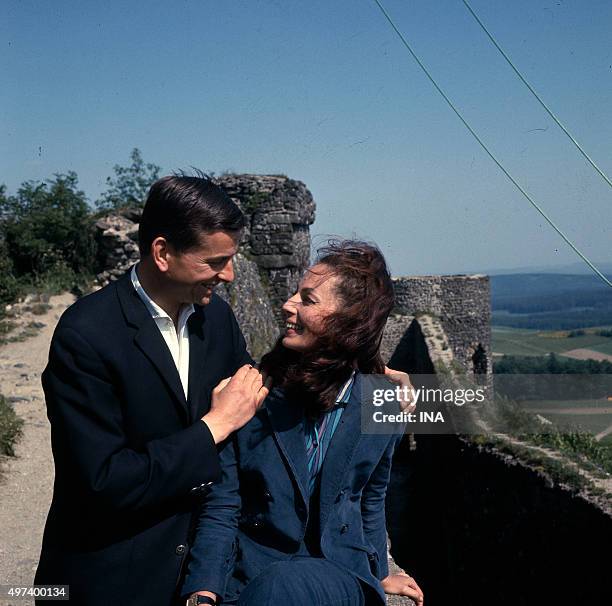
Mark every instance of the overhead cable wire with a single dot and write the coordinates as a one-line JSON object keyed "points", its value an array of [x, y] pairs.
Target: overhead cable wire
{"points": [[486, 149], [537, 96]]}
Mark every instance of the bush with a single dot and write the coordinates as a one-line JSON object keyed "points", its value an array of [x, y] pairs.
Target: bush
{"points": [[9, 285], [130, 185], [46, 239], [46, 225], [10, 428], [46, 229], [551, 364], [511, 417]]}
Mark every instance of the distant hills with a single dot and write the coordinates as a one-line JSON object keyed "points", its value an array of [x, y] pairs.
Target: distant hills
{"points": [[555, 301], [578, 268]]}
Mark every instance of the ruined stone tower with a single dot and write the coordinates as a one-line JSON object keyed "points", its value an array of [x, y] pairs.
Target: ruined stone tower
{"points": [[441, 320]]}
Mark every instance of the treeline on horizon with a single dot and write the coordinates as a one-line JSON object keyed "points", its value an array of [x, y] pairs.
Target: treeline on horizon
{"points": [[593, 298], [562, 320], [550, 364], [550, 301], [582, 379], [46, 238]]}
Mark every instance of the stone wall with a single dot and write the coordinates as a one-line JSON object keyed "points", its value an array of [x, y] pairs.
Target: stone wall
{"points": [[249, 298], [422, 340], [116, 235], [463, 306], [279, 213], [476, 528]]}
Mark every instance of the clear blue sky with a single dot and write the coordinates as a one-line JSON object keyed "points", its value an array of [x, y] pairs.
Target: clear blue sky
{"points": [[324, 92]]}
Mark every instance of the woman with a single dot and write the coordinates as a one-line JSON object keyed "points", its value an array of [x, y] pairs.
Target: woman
{"points": [[299, 514]]}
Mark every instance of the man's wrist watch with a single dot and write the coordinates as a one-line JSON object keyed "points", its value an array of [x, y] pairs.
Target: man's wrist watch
{"points": [[196, 599]]}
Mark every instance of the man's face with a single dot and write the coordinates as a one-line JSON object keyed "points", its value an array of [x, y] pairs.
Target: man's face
{"points": [[191, 275]]}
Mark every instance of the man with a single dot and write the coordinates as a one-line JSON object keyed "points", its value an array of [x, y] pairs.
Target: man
{"points": [[138, 396]]}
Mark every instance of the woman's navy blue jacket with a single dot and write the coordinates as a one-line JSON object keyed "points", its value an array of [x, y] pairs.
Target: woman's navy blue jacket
{"points": [[259, 512]]}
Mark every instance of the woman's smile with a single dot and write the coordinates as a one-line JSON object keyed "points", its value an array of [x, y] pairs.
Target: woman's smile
{"points": [[305, 312], [292, 327]]}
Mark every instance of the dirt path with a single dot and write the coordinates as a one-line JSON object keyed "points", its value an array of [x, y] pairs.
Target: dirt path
{"points": [[602, 434], [27, 480]]}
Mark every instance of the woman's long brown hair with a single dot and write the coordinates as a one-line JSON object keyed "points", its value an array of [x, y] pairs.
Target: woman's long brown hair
{"points": [[351, 336]]}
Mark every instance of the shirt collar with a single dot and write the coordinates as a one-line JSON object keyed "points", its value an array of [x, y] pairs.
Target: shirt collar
{"points": [[154, 309], [345, 393]]}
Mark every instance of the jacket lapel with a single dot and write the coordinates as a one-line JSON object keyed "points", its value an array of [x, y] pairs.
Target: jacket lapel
{"points": [[287, 421], [340, 452], [198, 346], [149, 340]]}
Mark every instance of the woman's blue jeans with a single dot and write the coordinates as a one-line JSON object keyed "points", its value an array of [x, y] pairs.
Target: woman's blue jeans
{"points": [[303, 580]]}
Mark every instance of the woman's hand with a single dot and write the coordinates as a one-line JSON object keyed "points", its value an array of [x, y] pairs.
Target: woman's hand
{"points": [[403, 584], [403, 380]]}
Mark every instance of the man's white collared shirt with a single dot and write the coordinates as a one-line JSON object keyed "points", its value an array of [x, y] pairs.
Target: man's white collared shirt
{"points": [[176, 338]]}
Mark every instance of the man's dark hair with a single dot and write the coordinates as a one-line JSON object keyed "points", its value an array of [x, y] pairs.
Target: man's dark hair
{"points": [[181, 209]]}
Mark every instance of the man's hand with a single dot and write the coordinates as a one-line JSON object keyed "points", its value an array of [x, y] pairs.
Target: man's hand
{"points": [[235, 400], [403, 380], [403, 584]]}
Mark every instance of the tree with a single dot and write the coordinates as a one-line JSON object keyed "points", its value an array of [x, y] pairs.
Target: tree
{"points": [[8, 282], [129, 187], [45, 228]]}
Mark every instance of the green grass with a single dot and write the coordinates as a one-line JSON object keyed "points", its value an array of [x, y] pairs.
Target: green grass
{"points": [[607, 441], [6, 326], [531, 342], [579, 446], [605, 348], [253, 202], [39, 309], [555, 404], [589, 423], [559, 472], [31, 329], [592, 424], [10, 428]]}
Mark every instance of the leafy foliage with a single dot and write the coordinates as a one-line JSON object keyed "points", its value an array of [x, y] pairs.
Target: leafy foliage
{"points": [[578, 445], [10, 428], [46, 236], [8, 283], [45, 232], [129, 187], [551, 364]]}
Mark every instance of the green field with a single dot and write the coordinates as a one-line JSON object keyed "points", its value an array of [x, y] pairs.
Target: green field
{"points": [[592, 422], [607, 441], [605, 348], [532, 342], [556, 404], [587, 423]]}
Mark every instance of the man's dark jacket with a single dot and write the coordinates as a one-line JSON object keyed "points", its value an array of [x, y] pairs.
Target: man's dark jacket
{"points": [[132, 459]]}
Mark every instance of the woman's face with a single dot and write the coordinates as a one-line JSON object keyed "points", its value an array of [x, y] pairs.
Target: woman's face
{"points": [[307, 309]]}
